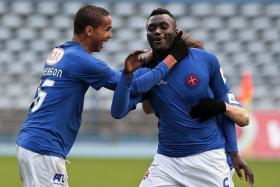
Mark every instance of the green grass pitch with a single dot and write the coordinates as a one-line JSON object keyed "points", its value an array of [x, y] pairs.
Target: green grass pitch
{"points": [[92, 172]]}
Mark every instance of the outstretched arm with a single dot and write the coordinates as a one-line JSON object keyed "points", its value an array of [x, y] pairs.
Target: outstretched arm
{"points": [[144, 82], [126, 88], [177, 52], [122, 101]]}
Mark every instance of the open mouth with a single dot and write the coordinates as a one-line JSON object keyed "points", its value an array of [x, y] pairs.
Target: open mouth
{"points": [[158, 40]]}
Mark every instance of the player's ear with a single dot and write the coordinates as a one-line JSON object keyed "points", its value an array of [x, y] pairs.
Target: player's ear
{"points": [[89, 31]]}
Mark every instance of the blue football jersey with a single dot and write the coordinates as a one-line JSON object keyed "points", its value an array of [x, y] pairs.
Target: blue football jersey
{"points": [[195, 78], [54, 117]]}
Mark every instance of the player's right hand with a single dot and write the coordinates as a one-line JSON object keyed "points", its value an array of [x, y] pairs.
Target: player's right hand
{"points": [[133, 61], [239, 164]]}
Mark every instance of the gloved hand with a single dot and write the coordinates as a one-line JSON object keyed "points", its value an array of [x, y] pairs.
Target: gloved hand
{"points": [[207, 108], [179, 50]]}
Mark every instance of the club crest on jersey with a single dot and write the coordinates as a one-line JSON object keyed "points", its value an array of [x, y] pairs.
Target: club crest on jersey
{"points": [[55, 56], [192, 80]]}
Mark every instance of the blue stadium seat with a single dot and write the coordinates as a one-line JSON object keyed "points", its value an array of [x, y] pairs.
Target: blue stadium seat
{"points": [[200, 34], [224, 35], [248, 34], [146, 8], [12, 21], [137, 22], [271, 34], [70, 8], [240, 34], [5, 33], [188, 23], [238, 22], [212, 22], [3, 7], [256, 47], [48, 8], [178, 9], [62, 22], [22, 7], [37, 21], [260, 23], [202, 9], [251, 9], [124, 9], [272, 10], [26, 33], [226, 9]]}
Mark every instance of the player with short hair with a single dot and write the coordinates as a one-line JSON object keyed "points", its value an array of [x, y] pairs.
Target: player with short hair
{"points": [[191, 147], [234, 111], [54, 117]]}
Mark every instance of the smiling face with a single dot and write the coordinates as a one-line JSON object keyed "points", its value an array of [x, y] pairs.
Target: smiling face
{"points": [[161, 31], [101, 34], [92, 27]]}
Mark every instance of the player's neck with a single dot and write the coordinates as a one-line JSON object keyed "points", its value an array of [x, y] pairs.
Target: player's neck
{"points": [[83, 41], [160, 55]]}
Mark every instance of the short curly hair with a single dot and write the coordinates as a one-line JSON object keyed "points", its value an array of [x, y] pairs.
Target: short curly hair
{"points": [[160, 11]]}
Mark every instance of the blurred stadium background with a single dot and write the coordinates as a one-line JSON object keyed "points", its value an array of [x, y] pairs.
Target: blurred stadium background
{"points": [[245, 35]]}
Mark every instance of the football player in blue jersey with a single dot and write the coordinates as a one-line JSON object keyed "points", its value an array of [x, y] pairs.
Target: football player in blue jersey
{"points": [[54, 117], [191, 145], [234, 111]]}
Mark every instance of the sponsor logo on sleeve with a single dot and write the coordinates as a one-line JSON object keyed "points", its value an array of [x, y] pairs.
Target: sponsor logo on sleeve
{"points": [[232, 99], [55, 56]]}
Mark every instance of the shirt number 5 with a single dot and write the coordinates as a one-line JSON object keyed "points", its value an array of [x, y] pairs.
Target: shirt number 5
{"points": [[40, 96]]}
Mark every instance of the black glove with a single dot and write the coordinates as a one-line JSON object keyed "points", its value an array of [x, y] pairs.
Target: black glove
{"points": [[207, 108], [179, 50]]}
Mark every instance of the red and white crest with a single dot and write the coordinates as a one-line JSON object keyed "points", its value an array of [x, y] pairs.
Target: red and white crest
{"points": [[192, 80], [55, 56]]}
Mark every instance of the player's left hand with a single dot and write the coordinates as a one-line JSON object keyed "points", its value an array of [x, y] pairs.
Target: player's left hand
{"points": [[207, 108], [179, 50], [239, 165], [134, 60]]}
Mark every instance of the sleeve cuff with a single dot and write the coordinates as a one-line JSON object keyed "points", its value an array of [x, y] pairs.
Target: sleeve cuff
{"points": [[163, 66], [127, 80]]}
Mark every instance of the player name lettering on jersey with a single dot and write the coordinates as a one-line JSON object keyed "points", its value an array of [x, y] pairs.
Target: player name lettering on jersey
{"points": [[53, 72]]}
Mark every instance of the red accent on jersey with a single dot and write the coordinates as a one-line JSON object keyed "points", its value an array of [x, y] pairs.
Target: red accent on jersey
{"points": [[192, 80]]}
